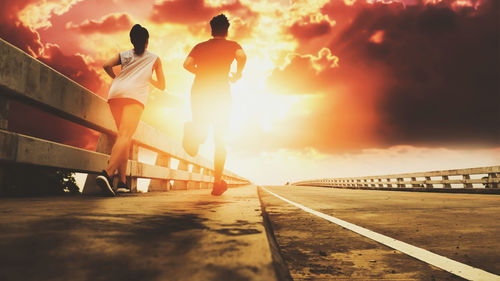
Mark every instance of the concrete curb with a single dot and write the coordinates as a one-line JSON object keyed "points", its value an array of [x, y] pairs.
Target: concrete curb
{"points": [[280, 267]]}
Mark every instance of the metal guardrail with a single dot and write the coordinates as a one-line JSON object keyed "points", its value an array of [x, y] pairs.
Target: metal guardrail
{"points": [[27, 80], [488, 177]]}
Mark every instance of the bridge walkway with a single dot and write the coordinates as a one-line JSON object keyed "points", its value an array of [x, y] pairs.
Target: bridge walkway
{"points": [[177, 235]]}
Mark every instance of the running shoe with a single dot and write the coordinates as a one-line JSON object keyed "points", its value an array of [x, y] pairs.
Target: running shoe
{"points": [[219, 188], [105, 182], [122, 187]]}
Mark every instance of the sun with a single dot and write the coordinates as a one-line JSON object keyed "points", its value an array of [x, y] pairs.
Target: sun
{"points": [[253, 104]]}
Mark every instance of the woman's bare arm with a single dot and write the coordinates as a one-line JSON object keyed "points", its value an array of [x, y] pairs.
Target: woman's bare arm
{"points": [[108, 65], [160, 77]]}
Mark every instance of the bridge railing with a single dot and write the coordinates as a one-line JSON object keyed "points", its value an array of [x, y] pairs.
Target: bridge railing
{"points": [[487, 177], [27, 80]]}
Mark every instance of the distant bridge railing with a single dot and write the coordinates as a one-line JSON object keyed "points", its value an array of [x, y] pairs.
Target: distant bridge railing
{"points": [[27, 80], [473, 178]]}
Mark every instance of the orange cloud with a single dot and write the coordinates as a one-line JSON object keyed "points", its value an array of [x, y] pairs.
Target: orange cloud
{"points": [[195, 11], [108, 24], [311, 27], [377, 37]]}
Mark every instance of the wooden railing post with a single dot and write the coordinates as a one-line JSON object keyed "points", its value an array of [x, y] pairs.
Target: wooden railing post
{"points": [[414, 184], [181, 184], [4, 112], [211, 183], [389, 184], [4, 125], [465, 179], [204, 184], [445, 184], [400, 183], [162, 160], [491, 177], [104, 145], [427, 184], [133, 155], [194, 184]]}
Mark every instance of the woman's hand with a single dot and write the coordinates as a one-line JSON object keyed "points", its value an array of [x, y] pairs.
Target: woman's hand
{"points": [[108, 65], [160, 83], [156, 84]]}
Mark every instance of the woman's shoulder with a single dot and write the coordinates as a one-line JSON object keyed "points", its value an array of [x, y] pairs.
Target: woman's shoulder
{"points": [[151, 54], [126, 56], [127, 53]]}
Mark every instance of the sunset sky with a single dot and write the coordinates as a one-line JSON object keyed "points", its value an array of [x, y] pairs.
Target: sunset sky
{"points": [[331, 88]]}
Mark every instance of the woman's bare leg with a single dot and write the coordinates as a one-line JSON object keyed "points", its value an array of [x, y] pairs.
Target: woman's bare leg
{"points": [[130, 117]]}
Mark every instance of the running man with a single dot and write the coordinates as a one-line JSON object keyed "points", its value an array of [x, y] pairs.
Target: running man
{"points": [[210, 62]]}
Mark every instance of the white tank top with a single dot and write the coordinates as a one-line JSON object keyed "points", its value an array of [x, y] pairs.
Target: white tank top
{"points": [[133, 80]]}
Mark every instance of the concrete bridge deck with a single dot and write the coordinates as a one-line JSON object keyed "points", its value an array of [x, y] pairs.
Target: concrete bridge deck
{"points": [[191, 235], [460, 229], [178, 235]]}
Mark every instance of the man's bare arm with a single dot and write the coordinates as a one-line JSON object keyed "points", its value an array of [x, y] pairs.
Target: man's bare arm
{"points": [[241, 60], [189, 65], [108, 65]]}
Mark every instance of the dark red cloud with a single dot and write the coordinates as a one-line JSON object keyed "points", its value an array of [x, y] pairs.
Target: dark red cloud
{"points": [[14, 31], [72, 66], [432, 80], [306, 29], [443, 64], [195, 11], [108, 24]]}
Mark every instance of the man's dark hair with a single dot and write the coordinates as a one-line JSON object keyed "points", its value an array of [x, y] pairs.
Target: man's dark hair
{"points": [[219, 25], [139, 37]]}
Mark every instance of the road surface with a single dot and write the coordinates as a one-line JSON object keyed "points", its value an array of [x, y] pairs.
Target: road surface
{"points": [[462, 227]]}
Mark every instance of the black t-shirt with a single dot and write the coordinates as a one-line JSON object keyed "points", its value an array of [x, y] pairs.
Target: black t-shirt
{"points": [[213, 59]]}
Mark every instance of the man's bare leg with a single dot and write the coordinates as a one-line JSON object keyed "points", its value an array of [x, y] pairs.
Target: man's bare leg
{"points": [[220, 186], [219, 161]]}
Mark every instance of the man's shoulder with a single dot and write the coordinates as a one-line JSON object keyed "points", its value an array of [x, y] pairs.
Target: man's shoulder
{"points": [[212, 41], [234, 43]]}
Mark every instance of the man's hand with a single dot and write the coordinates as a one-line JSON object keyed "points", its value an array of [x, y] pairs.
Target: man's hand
{"points": [[241, 60], [190, 65], [234, 77]]}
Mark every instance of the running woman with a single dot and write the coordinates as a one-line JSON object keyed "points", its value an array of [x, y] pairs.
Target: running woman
{"points": [[127, 96]]}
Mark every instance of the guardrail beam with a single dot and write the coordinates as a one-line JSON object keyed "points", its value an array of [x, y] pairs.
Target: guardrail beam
{"points": [[405, 181]]}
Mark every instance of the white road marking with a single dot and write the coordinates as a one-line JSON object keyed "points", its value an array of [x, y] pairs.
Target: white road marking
{"points": [[455, 267]]}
